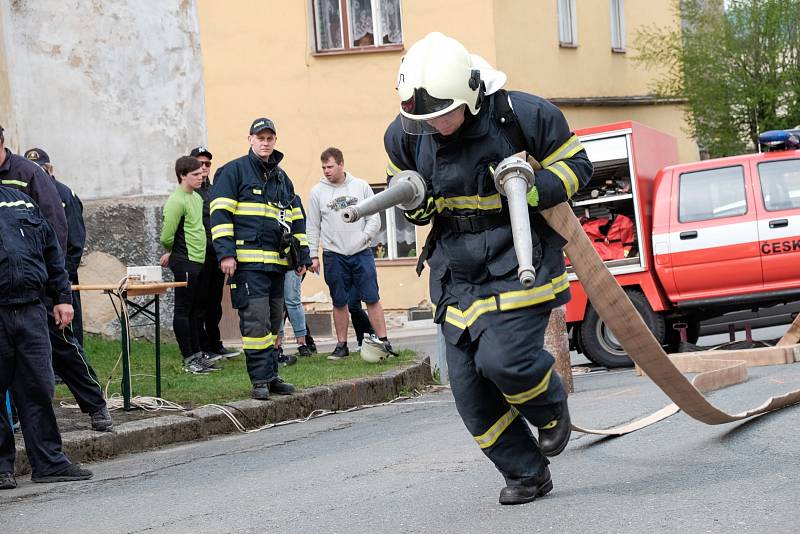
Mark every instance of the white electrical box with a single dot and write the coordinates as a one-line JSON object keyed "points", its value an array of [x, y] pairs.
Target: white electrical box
{"points": [[144, 274]]}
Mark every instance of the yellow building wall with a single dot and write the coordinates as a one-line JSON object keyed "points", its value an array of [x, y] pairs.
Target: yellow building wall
{"points": [[258, 61]]}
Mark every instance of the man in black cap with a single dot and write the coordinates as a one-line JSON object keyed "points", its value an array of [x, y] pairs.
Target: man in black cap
{"points": [[211, 304], [259, 232], [69, 358]]}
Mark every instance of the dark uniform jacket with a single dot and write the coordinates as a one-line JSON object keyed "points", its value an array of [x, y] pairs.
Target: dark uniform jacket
{"points": [[250, 198], [205, 193], [474, 273], [31, 262], [76, 229], [28, 177]]}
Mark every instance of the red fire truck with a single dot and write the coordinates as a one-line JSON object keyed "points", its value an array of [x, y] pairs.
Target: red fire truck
{"points": [[687, 242]]}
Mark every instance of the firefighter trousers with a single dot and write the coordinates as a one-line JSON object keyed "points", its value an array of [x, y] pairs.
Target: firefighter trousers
{"points": [[26, 369], [502, 381]]}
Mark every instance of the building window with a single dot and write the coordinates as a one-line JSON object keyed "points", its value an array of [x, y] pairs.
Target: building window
{"points": [[357, 25], [617, 26], [567, 27], [397, 238]]}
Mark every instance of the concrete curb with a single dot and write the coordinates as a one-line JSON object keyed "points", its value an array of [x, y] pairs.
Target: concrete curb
{"points": [[205, 422]]}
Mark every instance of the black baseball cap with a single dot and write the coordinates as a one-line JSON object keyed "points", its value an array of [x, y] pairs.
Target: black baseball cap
{"points": [[200, 151], [38, 156], [262, 124]]}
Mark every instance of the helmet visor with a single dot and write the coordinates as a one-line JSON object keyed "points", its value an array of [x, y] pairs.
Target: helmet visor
{"points": [[445, 123]]}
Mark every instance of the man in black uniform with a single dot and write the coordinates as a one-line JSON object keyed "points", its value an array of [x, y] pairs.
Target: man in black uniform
{"points": [[254, 214], [69, 358], [31, 264], [493, 327]]}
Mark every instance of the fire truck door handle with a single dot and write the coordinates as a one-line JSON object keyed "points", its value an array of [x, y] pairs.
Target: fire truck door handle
{"points": [[778, 223], [692, 234]]}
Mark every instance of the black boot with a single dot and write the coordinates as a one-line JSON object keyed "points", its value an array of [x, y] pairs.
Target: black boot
{"points": [[279, 387], [553, 440], [529, 492], [260, 391]]}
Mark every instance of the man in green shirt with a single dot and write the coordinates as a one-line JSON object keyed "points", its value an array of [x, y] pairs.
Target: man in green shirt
{"points": [[184, 237]]}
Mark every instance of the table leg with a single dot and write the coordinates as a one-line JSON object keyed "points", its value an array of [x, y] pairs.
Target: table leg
{"points": [[158, 349], [126, 357]]}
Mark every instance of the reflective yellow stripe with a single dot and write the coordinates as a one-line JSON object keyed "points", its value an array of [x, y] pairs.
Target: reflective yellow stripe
{"points": [[256, 208], [455, 317], [15, 203], [535, 391], [488, 438], [567, 176], [303, 239], [571, 147], [512, 300], [392, 169], [259, 256], [223, 203], [14, 182], [256, 343], [475, 202], [549, 425], [478, 308], [221, 230]]}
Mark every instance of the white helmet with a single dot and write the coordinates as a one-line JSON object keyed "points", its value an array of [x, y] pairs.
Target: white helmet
{"points": [[438, 75], [373, 350]]}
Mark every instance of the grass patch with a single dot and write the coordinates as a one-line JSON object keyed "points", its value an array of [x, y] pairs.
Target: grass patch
{"points": [[229, 384]]}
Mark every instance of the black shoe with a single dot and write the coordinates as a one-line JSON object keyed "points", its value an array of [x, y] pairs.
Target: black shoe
{"points": [[341, 351], [523, 494], [303, 351], [7, 481], [310, 344], [101, 420], [279, 387], [554, 440], [260, 391], [286, 360], [225, 352], [70, 473]]}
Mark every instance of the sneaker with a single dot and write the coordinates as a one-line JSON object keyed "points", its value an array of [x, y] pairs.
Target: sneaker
{"points": [[260, 391], [69, 474], [225, 352], [303, 351], [7, 481], [195, 367], [212, 356], [279, 387], [101, 420], [286, 360], [206, 361], [341, 351]]}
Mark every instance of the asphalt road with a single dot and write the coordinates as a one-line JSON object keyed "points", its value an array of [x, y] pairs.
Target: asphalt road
{"points": [[412, 467]]}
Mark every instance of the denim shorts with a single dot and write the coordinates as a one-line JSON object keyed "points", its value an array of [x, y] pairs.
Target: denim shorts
{"points": [[343, 272]]}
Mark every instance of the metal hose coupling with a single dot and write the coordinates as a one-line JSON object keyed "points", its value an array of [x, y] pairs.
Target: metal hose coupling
{"points": [[513, 178], [406, 190]]}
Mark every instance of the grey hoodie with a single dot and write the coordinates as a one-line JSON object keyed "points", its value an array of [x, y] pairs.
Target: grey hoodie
{"points": [[324, 224]]}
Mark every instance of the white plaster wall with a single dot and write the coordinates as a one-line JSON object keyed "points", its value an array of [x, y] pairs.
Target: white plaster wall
{"points": [[111, 89]]}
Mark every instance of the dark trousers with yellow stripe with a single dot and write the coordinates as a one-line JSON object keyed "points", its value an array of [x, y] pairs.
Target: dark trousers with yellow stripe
{"points": [[502, 381], [258, 296]]}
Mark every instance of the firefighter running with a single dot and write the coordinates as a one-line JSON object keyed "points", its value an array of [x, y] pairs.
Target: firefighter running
{"points": [[454, 127]]}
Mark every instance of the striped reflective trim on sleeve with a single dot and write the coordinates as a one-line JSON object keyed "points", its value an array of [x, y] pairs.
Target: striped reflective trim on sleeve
{"points": [[295, 215], [571, 147], [257, 343], [391, 169], [488, 438], [474, 202], [221, 230], [303, 239], [259, 256], [512, 300], [566, 175], [223, 203], [15, 204], [14, 182], [535, 391]]}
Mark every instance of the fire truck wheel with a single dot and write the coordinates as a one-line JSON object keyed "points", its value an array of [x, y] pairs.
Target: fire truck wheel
{"points": [[599, 343]]}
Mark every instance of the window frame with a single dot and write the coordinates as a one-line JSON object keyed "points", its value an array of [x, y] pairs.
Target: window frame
{"points": [[617, 26], [567, 20], [346, 31], [391, 235], [743, 175]]}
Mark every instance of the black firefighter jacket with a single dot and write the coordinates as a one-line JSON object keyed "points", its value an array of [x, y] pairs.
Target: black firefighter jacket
{"points": [[249, 200], [474, 274], [76, 228], [31, 262]]}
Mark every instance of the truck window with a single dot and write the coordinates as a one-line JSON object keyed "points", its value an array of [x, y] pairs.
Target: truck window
{"points": [[711, 194], [780, 184]]}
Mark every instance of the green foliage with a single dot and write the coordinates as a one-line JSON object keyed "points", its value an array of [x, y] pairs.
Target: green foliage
{"points": [[736, 62], [229, 384]]}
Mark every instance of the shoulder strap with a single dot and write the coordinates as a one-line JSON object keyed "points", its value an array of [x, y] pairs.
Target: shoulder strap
{"points": [[504, 113]]}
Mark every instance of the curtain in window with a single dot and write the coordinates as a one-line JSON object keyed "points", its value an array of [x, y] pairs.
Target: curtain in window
{"points": [[391, 31], [329, 24]]}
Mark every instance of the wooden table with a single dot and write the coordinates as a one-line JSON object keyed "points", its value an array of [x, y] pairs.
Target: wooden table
{"points": [[125, 292]]}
